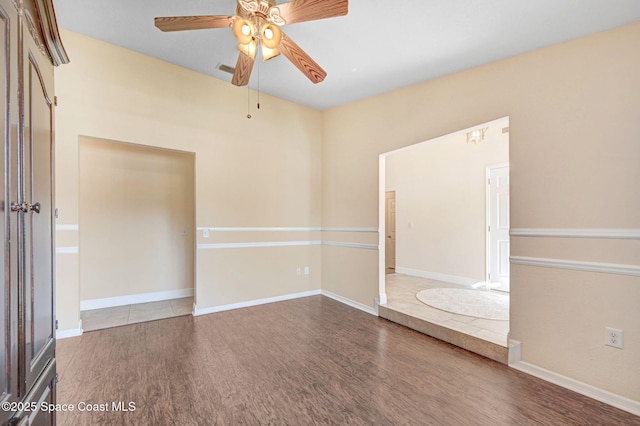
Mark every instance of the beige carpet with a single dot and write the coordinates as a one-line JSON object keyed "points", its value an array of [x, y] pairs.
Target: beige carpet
{"points": [[473, 303]]}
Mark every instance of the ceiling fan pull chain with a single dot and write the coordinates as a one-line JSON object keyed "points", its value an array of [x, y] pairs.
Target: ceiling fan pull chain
{"points": [[248, 103]]}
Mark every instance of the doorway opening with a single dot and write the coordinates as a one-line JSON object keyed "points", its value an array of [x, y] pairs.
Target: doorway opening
{"points": [[443, 200], [390, 229], [136, 233]]}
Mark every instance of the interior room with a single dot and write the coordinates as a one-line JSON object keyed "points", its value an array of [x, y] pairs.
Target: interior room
{"points": [[247, 200], [446, 227]]}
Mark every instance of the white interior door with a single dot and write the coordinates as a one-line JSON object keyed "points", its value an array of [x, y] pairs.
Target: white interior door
{"points": [[390, 229], [498, 228]]}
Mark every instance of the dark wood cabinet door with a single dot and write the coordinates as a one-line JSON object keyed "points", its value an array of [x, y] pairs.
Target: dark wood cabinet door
{"points": [[29, 46], [37, 175], [8, 229], [36, 406]]}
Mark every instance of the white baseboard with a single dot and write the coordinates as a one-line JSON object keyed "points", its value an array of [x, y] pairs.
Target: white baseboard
{"points": [[601, 395], [110, 302], [74, 332], [453, 279], [350, 302], [257, 302]]}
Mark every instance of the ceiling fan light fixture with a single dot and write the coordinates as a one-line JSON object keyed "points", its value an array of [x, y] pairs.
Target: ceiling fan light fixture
{"points": [[271, 36], [249, 49], [268, 53], [243, 30], [256, 24]]}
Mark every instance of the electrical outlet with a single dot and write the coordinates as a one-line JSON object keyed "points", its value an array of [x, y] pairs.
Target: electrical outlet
{"points": [[306, 270], [613, 337], [298, 271], [205, 233]]}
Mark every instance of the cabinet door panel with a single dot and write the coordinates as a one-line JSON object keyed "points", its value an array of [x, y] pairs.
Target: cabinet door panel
{"points": [[42, 395], [8, 293], [27, 339], [5, 294], [38, 230]]}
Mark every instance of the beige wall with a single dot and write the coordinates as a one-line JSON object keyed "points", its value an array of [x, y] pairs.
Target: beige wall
{"points": [[263, 172], [441, 203], [573, 112], [137, 217], [574, 159]]}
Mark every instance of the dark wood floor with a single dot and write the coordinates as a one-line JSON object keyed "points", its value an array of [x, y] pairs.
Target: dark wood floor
{"points": [[300, 362]]}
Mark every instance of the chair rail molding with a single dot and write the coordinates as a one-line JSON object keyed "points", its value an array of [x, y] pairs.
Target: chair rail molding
{"points": [[67, 227], [576, 265], [283, 229], [604, 233]]}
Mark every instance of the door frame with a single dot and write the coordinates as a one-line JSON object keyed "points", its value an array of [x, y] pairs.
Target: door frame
{"points": [[488, 217], [387, 262]]}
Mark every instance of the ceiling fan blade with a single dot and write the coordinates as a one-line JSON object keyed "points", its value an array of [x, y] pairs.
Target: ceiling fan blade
{"points": [[301, 60], [311, 10], [181, 23], [243, 70]]}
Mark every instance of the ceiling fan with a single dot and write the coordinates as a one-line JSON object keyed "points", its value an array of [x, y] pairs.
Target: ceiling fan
{"points": [[257, 25]]}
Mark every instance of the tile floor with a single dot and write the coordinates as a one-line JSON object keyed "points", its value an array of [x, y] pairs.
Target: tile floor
{"points": [[401, 296], [98, 319]]}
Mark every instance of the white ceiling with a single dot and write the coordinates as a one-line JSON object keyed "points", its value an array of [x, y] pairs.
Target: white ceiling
{"points": [[380, 46]]}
